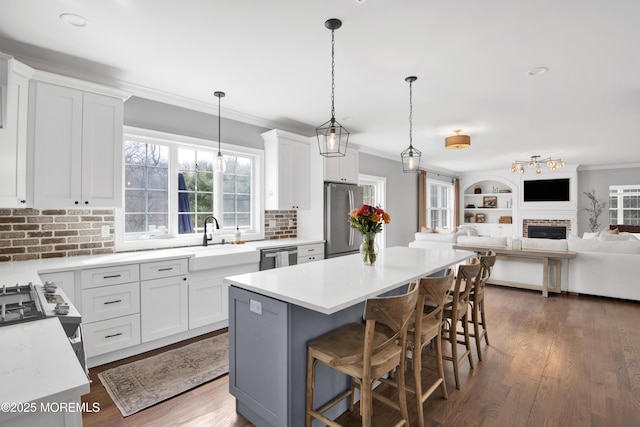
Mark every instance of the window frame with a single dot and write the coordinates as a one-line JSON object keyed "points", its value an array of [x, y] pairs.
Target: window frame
{"points": [[449, 209], [172, 238], [380, 185], [618, 192]]}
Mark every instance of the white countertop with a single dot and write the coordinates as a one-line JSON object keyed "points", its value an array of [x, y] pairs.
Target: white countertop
{"points": [[38, 365], [330, 285]]}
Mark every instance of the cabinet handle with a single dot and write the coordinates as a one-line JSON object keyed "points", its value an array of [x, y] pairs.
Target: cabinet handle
{"points": [[165, 269], [112, 276], [113, 335], [113, 302]]}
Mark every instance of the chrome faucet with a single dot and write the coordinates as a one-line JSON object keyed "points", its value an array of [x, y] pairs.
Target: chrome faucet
{"points": [[204, 238]]}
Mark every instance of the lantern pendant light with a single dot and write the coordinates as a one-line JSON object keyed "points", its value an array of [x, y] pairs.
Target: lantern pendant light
{"points": [[332, 136], [220, 165], [411, 156]]}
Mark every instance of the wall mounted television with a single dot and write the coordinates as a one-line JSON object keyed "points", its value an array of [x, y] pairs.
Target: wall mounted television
{"points": [[546, 190]]}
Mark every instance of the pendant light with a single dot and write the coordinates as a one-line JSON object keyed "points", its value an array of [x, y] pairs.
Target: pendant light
{"points": [[332, 136], [411, 156], [220, 164]]}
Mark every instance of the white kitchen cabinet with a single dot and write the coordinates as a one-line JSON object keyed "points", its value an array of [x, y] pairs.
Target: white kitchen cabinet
{"points": [[164, 307], [13, 136], [111, 335], [309, 253], [209, 296], [208, 302], [108, 302], [342, 169], [77, 147], [287, 178]]}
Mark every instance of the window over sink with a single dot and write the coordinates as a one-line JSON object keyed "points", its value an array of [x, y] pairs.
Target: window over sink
{"points": [[170, 188]]}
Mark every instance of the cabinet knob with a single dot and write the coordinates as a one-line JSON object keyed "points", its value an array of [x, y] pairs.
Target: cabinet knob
{"points": [[86, 202], [23, 201], [76, 202]]}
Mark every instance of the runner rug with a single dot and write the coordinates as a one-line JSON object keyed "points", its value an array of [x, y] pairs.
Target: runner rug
{"points": [[143, 383]]}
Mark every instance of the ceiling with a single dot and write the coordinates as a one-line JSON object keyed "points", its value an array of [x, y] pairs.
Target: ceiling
{"points": [[273, 60]]}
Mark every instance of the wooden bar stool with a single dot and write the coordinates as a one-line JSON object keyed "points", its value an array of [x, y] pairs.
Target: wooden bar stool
{"points": [[476, 300], [365, 352], [426, 329], [456, 311]]}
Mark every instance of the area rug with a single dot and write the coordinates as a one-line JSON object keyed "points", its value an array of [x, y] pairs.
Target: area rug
{"points": [[143, 383]]}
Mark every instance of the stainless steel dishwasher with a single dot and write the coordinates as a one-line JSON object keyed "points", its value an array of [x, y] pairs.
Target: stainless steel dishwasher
{"points": [[278, 257]]}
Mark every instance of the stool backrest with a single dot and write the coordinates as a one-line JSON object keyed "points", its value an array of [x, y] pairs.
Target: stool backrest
{"points": [[434, 290], [467, 275], [387, 320]]}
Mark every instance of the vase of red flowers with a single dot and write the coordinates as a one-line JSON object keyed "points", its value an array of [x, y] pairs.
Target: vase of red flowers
{"points": [[368, 220]]}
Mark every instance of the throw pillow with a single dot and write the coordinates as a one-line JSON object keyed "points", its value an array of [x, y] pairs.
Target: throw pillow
{"points": [[609, 231], [424, 229], [588, 235]]}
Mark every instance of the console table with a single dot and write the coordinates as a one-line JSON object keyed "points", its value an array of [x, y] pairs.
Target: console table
{"points": [[545, 256]]}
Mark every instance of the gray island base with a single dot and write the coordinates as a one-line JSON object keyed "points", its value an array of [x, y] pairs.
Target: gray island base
{"points": [[274, 313]]}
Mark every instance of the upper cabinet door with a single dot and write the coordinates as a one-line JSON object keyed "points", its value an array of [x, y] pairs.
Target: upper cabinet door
{"points": [[342, 169], [102, 150], [287, 170], [57, 145], [13, 139], [77, 146]]}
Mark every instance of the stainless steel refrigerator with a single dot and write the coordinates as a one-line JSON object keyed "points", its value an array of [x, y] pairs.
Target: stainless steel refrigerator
{"points": [[339, 201]]}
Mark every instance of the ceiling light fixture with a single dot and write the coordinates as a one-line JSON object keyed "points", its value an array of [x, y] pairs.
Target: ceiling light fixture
{"points": [[457, 141], [535, 162], [75, 20], [411, 156], [332, 136], [220, 165]]}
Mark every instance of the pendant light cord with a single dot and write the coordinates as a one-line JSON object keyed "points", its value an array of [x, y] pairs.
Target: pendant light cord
{"points": [[219, 125], [411, 114], [333, 74]]}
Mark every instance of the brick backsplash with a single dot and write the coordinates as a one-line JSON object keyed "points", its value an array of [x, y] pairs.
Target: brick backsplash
{"points": [[33, 234], [282, 229]]}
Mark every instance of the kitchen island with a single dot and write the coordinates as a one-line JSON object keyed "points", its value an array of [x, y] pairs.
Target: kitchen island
{"points": [[274, 313]]}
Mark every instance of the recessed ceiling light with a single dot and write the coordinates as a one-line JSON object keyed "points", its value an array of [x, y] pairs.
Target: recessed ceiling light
{"points": [[537, 71], [75, 20]]}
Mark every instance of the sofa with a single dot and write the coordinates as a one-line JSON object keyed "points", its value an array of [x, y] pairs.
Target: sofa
{"points": [[605, 265]]}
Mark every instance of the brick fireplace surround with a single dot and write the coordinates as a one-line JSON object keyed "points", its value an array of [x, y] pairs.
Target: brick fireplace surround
{"points": [[545, 222]]}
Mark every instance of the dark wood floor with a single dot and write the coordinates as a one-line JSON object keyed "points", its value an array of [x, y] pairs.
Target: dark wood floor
{"points": [[557, 361]]}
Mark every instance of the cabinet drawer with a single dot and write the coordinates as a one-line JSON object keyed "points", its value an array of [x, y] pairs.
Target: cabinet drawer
{"points": [[105, 276], [110, 335], [160, 269], [316, 250], [108, 302], [310, 258]]}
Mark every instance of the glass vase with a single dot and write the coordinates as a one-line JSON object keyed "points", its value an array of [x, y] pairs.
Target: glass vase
{"points": [[369, 248]]}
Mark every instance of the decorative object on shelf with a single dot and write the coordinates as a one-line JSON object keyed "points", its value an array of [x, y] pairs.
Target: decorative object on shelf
{"points": [[457, 141], [489, 202], [504, 191], [480, 218], [505, 220], [368, 220], [594, 209], [477, 190], [535, 162], [470, 206], [468, 217], [220, 165], [332, 136], [411, 156]]}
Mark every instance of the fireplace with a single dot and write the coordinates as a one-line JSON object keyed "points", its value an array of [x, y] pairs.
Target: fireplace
{"points": [[557, 227], [547, 231]]}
